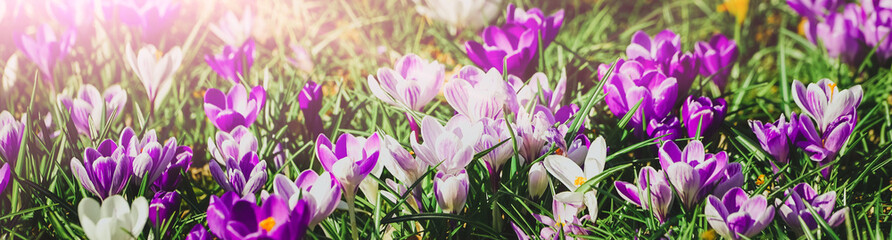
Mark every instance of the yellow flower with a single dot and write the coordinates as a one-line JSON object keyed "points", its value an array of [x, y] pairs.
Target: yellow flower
{"points": [[708, 235], [738, 8]]}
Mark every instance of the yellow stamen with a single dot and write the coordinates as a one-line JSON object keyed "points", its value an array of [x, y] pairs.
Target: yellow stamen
{"points": [[579, 181], [268, 224], [761, 179]]}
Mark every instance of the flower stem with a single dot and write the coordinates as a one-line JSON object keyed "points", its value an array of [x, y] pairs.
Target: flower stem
{"points": [[352, 209]]}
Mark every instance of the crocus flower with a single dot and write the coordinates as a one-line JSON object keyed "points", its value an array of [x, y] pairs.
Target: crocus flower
{"points": [[638, 81], [321, 192], [10, 74], [773, 137], [310, 100], [45, 50], [732, 177], [459, 15], [573, 176], [105, 170], [162, 207], [658, 49], [233, 31], [814, 9], [198, 232], [451, 146], [235, 145], [717, 58], [11, 131], [153, 18], [652, 192], [841, 37], [535, 131], [668, 127], [536, 89], [5, 173], [510, 48], [350, 160], [90, 110], [795, 208], [692, 172], [155, 70], [478, 94], [876, 26], [234, 63], [232, 218], [684, 67], [114, 219], [451, 190], [413, 84], [538, 180], [237, 108], [245, 175], [173, 175], [494, 133], [737, 216], [823, 146], [701, 115], [151, 159], [825, 102], [564, 208], [399, 162]]}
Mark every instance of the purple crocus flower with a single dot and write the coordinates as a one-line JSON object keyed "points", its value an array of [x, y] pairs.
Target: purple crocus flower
{"points": [[876, 27], [153, 18], [234, 63], [693, 172], [198, 232], [172, 177], [451, 190], [795, 208], [477, 94], [634, 81], [669, 128], [840, 35], [235, 144], [825, 102], [732, 177], [773, 137], [151, 158], [564, 207], [652, 192], [105, 170], [658, 49], [162, 207], [737, 216], [5, 174], [702, 115], [399, 162], [310, 100], [450, 147], [494, 133], [238, 108], [91, 111], [823, 146], [717, 58], [534, 132], [11, 131], [245, 175], [322, 193], [814, 9], [510, 48], [45, 50], [232, 218], [413, 84], [350, 160]]}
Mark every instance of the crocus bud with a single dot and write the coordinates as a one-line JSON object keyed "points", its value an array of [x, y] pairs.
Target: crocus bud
{"points": [[702, 114], [538, 180], [451, 191], [163, 205], [198, 233]]}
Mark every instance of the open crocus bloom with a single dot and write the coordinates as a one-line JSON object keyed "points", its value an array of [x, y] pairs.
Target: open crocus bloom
{"points": [[460, 15], [633, 81], [235, 144], [572, 176], [174, 172], [151, 159], [511, 48], [45, 50], [795, 208], [413, 84], [451, 146], [825, 102], [736, 215], [232, 218], [155, 70], [535, 131], [114, 219], [322, 193], [234, 63], [350, 160], [564, 208], [11, 131], [477, 94], [105, 170], [237, 108], [233, 31], [692, 172], [245, 175], [652, 192], [90, 111]]}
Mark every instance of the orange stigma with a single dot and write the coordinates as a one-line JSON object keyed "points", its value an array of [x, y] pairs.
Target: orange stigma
{"points": [[832, 86], [579, 181], [559, 152], [158, 55], [268, 224]]}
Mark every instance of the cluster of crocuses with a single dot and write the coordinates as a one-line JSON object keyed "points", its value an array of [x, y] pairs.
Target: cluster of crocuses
{"points": [[515, 45], [827, 121], [657, 74], [849, 35]]}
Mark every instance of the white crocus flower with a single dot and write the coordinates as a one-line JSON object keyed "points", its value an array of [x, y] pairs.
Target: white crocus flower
{"points": [[460, 14], [155, 70], [573, 176], [231, 30], [10, 73], [115, 219]]}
